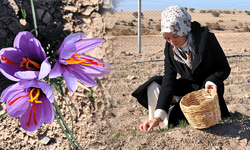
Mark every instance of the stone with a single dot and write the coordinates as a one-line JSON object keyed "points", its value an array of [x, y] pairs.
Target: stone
{"points": [[14, 28], [109, 20], [71, 8], [3, 33], [52, 10], [5, 2], [39, 14], [23, 22], [14, 5], [45, 140], [88, 10], [47, 18], [68, 26], [97, 24]]}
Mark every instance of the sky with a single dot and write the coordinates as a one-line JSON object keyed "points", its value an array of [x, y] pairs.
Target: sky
{"points": [[132, 5]]}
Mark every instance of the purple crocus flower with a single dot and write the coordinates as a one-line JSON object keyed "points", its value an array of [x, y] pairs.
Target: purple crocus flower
{"points": [[72, 65], [25, 59], [31, 101]]}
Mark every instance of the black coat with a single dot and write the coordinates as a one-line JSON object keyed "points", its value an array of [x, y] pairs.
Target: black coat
{"points": [[210, 64]]}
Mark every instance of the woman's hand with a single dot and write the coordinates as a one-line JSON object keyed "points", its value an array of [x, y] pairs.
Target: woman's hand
{"points": [[149, 125], [209, 86]]}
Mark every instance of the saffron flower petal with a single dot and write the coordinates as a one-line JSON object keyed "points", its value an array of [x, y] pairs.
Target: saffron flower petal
{"points": [[31, 101], [25, 60], [70, 80], [87, 45], [56, 71], [45, 69], [75, 66], [68, 51], [36, 115]]}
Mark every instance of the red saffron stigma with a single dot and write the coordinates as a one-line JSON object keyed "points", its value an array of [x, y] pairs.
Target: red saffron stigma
{"points": [[28, 123], [12, 102], [4, 59], [35, 114]]}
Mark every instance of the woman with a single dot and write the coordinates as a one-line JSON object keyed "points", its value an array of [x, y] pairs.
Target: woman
{"points": [[194, 53]]}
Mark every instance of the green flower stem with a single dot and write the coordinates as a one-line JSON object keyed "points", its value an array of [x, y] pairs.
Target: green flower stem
{"points": [[3, 115], [34, 17], [65, 124], [61, 92], [68, 108], [60, 124]]}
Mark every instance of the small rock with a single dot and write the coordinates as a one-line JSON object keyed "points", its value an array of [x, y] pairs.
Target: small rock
{"points": [[45, 140], [88, 11], [39, 14], [5, 2], [103, 147], [23, 22], [131, 77], [3, 33], [52, 10], [184, 132], [14, 28], [70, 8], [47, 18], [238, 138]]}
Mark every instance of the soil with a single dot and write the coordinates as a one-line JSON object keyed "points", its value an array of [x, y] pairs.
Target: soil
{"points": [[107, 116]]}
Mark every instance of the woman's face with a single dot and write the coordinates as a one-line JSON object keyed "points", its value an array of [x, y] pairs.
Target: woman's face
{"points": [[174, 39]]}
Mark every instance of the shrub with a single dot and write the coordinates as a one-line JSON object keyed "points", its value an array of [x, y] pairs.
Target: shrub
{"points": [[202, 11], [135, 14], [150, 20], [215, 14], [191, 9], [247, 29], [185, 8], [220, 20], [131, 24], [209, 11], [149, 23], [215, 26], [240, 24], [123, 21], [134, 20], [248, 12], [124, 32], [227, 12], [117, 23], [145, 31], [158, 27]]}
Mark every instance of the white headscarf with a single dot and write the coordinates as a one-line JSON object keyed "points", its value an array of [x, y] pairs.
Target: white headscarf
{"points": [[176, 20]]}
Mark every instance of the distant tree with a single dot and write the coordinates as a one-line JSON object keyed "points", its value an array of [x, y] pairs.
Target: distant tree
{"points": [[191, 9], [185, 8], [135, 14], [202, 11], [131, 24], [247, 29], [215, 14], [158, 27]]}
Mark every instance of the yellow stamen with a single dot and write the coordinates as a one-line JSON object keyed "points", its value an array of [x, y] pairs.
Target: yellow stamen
{"points": [[35, 98]]}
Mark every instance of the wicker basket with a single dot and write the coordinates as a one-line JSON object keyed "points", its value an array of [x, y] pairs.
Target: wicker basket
{"points": [[201, 108]]}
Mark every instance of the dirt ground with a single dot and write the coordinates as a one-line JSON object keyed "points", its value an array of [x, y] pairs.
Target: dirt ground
{"points": [[107, 117], [131, 69]]}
